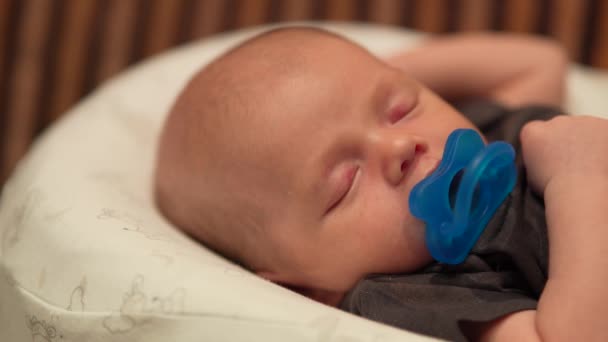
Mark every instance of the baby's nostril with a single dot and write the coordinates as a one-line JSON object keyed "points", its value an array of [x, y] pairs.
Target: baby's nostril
{"points": [[397, 114], [404, 165]]}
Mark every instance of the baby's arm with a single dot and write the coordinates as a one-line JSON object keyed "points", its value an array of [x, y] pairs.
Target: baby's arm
{"points": [[567, 160], [512, 69]]}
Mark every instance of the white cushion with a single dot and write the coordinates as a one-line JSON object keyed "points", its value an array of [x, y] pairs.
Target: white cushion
{"points": [[84, 255]]}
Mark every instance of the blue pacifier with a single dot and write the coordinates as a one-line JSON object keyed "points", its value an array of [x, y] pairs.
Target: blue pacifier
{"points": [[458, 199]]}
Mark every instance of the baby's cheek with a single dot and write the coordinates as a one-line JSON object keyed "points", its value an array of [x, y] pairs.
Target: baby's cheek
{"points": [[384, 222], [415, 228]]}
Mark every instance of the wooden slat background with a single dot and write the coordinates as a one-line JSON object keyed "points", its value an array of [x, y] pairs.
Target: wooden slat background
{"points": [[53, 52]]}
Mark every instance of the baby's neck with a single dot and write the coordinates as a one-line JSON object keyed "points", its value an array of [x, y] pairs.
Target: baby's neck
{"points": [[326, 297]]}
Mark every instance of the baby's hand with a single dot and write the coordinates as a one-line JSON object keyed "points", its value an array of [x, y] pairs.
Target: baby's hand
{"points": [[565, 148]]}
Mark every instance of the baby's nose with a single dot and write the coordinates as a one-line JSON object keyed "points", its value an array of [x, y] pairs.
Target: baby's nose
{"points": [[399, 152]]}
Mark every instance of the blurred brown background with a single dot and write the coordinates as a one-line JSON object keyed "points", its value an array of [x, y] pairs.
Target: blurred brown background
{"points": [[53, 52]]}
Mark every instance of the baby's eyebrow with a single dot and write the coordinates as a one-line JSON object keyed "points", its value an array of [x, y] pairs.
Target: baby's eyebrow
{"points": [[323, 163], [381, 94]]}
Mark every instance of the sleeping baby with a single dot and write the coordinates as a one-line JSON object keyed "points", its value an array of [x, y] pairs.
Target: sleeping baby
{"points": [[294, 154]]}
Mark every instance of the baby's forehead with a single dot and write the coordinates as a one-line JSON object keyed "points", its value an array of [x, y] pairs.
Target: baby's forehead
{"points": [[279, 104]]}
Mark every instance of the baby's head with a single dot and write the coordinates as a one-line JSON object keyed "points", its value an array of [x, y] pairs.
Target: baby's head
{"points": [[294, 154]]}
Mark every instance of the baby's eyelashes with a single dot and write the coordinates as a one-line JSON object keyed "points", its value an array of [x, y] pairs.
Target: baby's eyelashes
{"points": [[343, 185], [402, 108]]}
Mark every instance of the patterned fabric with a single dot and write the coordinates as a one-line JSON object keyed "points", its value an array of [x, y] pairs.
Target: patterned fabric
{"points": [[54, 52]]}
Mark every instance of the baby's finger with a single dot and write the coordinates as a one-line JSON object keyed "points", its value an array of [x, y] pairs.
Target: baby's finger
{"points": [[532, 132]]}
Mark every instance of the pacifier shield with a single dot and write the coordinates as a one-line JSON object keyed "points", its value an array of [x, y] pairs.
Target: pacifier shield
{"points": [[458, 199]]}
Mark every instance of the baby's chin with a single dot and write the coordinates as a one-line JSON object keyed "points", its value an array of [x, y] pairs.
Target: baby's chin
{"points": [[416, 253]]}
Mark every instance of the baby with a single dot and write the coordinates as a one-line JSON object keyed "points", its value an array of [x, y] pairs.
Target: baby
{"points": [[295, 152]]}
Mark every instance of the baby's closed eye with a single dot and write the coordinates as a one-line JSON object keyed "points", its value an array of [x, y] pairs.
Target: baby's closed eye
{"points": [[342, 184]]}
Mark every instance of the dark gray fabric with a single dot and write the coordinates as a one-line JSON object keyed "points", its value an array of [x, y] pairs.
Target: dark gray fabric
{"points": [[505, 272]]}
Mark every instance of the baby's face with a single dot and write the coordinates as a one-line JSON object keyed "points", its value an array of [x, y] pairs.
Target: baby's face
{"points": [[352, 137]]}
